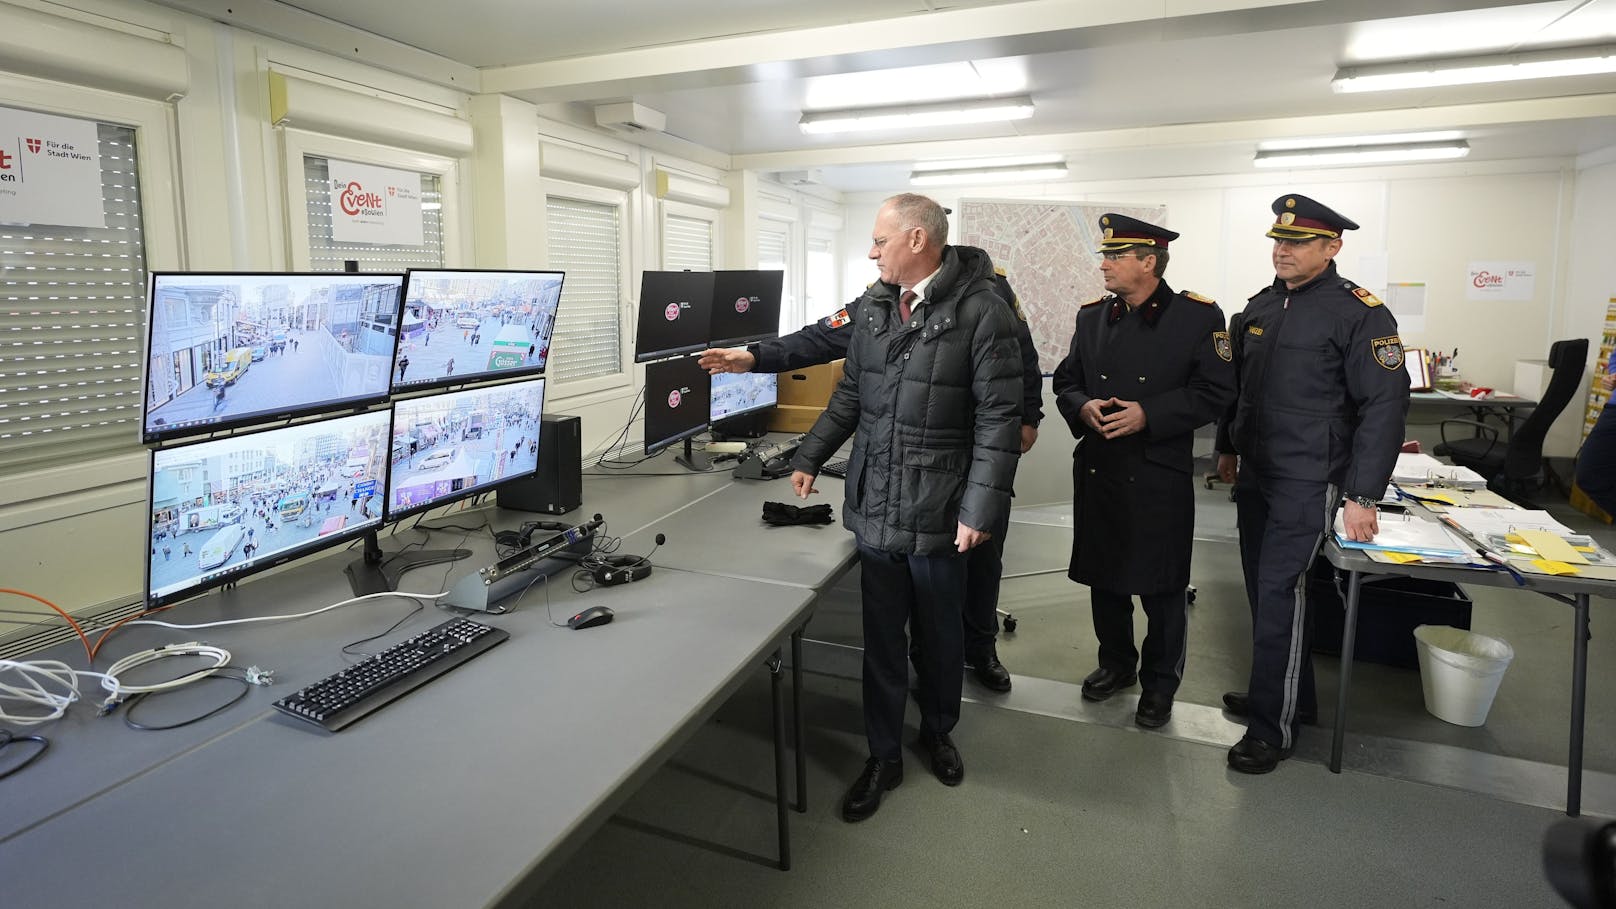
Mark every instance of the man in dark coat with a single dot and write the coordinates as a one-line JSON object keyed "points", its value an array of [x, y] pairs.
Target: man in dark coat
{"points": [[826, 340], [1147, 366], [1317, 422], [933, 388]]}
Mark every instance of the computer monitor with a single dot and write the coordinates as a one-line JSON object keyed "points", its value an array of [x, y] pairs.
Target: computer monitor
{"points": [[734, 394], [454, 444], [225, 508], [675, 313], [746, 307], [467, 325], [676, 402], [227, 349]]}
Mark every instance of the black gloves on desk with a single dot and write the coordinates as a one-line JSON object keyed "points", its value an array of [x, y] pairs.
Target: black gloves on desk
{"points": [[780, 514]]}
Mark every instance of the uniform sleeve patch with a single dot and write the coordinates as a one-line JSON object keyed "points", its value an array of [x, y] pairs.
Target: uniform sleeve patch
{"points": [[1368, 298], [836, 319], [1220, 344], [1254, 330], [1198, 298], [1388, 351]]}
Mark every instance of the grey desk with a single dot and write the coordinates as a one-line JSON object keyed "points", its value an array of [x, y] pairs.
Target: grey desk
{"points": [[1571, 591], [1507, 408], [466, 792]]}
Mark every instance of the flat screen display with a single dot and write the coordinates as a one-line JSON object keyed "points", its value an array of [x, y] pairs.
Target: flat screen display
{"points": [[468, 325], [676, 402], [746, 307], [229, 507], [737, 393], [454, 444], [225, 350], [675, 313]]}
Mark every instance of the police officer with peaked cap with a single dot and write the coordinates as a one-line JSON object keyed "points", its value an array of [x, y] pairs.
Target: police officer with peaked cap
{"points": [[1316, 425], [1146, 367], [826, 340]]}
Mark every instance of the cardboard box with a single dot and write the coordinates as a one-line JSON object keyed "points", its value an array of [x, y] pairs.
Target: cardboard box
{"points": [[794, 417], [810, 386]]}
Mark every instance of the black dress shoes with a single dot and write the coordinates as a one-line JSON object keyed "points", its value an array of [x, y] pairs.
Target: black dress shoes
{"points": [[1253, 755], [1237, 704], [945, 758], [1155, 709], [989, 671], [864, 798], [1103, 682]]}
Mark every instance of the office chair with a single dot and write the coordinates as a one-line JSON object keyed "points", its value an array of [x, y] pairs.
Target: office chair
{"points": [[1510, 463]]}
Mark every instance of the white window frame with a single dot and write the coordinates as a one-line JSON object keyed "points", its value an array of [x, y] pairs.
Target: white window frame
{"points": [[627, 293], [295, 144], [832, 241]]}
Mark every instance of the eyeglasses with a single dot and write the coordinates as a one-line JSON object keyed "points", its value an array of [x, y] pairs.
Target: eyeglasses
{"points": [[881, 242]]}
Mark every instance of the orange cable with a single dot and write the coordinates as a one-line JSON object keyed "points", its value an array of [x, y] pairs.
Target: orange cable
{"points": [[82, 636]]}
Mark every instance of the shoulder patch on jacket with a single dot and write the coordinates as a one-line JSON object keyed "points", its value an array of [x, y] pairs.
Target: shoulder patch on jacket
{"points": [[1368, 298], [999, 270], [1222, 347], [1093, 302], [1198, 298], [836, 319], [1388, 352]]}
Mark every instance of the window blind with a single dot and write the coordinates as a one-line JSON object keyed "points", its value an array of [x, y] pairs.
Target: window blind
{"points": [[687, 244], [72, 303], [771, 245], [326, 254], [821, 278], [584, 240]]}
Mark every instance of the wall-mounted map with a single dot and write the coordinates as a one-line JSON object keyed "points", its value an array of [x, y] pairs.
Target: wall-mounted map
{"points": [[1047, 251]]}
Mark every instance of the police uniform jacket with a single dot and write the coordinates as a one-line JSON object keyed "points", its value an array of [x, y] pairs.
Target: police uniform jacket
{"points": [[1322, 388], [936, 403], [826, 340], [1134, 497]]}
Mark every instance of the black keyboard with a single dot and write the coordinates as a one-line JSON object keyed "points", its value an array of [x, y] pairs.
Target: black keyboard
{"points": [[381, 678], [837, 468]]}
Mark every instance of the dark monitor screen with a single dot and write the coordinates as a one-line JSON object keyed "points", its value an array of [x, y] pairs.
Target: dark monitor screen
{"points": [[675, 313], [746, 306], [225, 508], [225, 350], [454, 444], [466, 325], [676, 393], [737, 393]]}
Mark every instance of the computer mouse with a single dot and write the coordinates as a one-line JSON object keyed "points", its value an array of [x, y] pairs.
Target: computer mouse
{"points": [[589, 618]]}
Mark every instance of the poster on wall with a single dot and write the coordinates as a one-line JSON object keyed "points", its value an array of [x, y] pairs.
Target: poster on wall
{"points": [[1500, 281], [50, 170], [1033, 242], [375, 205]]}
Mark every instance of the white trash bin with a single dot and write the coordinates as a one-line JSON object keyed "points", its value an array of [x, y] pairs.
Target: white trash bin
{"points": [[1460, 671]]}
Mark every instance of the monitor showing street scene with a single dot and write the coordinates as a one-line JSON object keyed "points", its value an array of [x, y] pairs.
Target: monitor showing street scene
{"points": [[467, 325], [741, 392], [229, 507], [228, 350], [455, 444]]}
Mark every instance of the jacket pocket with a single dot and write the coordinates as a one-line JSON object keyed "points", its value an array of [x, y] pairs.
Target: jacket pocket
{"points": [[933, 484]]}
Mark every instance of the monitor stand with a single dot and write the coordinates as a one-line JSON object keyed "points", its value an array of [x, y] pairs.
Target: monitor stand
{"points": [[378, 572], [694, 460]]}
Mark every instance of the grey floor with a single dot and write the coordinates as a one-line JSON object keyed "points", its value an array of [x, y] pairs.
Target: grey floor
{"points": [[1067, 803]]}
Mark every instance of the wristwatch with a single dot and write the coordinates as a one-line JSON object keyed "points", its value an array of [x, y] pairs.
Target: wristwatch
{"points": [[1365, 501]]}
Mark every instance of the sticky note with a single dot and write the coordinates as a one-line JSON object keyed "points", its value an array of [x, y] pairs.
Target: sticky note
{"points": [[1402, 558], [1552, 546], [1549, 566]]}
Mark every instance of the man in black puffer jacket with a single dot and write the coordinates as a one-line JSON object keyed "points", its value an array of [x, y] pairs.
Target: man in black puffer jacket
{"points": [[933, 387]]}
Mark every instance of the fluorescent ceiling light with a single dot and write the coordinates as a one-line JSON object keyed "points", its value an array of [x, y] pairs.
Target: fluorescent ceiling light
{"points": [[1447, 135], [1050, 171], [1363, 154], [1575, 61], [1005, 161], [914, 84], [911, 116]]}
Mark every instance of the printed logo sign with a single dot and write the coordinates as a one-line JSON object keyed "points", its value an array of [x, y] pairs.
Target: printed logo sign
{"points": [[50, 170], [743, 304], [375, 205], [1500, 281], [671, 312], [674, 397]]}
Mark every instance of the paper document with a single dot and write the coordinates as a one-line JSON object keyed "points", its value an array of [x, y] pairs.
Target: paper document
{"points": [[1483, 522], [1422, 468], [1405, 533]]}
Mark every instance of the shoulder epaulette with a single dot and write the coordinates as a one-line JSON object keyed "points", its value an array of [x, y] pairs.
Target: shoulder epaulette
{"points": [[999, 270], [1363, 293], [1093, 302], [1208, 301], [1259, 293]]}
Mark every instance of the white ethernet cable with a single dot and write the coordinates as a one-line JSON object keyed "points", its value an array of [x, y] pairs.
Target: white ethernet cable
{"points": [[50, 684], [428, 597]]}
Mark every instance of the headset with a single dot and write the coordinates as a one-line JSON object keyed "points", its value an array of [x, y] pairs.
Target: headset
{"points": [[609, 571]]}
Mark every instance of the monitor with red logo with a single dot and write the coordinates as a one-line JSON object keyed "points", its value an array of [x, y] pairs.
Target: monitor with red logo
{"points": [[676, 408], [230, 349], [746, 307], [675, 314], [468, 325]]}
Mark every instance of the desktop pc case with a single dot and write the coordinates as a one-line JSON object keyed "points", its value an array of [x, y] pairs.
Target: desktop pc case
{"points": [[558, 486]]}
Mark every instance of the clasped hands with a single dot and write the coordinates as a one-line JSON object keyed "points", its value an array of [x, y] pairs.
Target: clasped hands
{"points": [[1128, 417]]}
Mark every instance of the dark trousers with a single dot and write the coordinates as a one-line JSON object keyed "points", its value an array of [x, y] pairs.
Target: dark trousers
{"points": [[984, 565], [1166, 633], [1596, 462], [1282, 525], [926, 592]]}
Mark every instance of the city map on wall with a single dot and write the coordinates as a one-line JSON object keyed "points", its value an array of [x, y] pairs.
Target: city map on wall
{"points": [[1047, 251]]}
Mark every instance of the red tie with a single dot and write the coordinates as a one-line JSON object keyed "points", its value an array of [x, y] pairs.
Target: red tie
{"points": [[907, 298]]}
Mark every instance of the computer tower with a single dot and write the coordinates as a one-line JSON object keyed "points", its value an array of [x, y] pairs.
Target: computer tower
{"points": [[559, 485]]}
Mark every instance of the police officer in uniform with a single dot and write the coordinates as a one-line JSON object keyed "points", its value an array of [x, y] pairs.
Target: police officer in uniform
{"points": [[826, 340], [1317, 424], [1147, 367]]}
